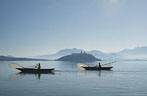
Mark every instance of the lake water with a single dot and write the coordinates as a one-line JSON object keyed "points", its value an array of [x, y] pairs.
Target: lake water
{"points": [[127, 78]]}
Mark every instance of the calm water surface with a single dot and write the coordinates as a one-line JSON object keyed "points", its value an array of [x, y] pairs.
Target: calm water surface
{"points": [[127, 78]]}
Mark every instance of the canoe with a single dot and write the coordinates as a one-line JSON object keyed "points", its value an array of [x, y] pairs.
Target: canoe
{"points": [[97, 68], [32, 70]]}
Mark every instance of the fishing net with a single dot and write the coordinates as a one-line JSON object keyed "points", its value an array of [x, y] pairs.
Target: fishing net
{"points": [[14, 65], [108, 64], [34, 66], [82, 65]]}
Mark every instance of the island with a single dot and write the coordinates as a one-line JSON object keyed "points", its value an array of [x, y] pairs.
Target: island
{"points": [[79, 57]]}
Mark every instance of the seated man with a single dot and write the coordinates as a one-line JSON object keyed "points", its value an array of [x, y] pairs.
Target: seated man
{"points": [[100, 65], [39, 66]]}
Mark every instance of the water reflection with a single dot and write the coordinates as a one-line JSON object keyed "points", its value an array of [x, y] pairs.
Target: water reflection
{"points": [[83, 73], [98, 73], [21, 74], [80, 73]]}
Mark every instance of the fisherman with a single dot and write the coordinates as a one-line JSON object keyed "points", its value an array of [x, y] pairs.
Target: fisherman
{"points": [[99, 65], [39, 66]]}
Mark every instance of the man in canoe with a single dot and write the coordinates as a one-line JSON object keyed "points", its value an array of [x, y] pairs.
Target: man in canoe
{"points": [[39, 66], [99, 65]]}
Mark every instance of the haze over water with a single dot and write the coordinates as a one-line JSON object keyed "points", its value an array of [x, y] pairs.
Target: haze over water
{"points": [[127, 78], [30, 28]]}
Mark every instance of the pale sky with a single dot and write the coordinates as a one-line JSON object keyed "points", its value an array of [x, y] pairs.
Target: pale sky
{"points": [[37, 27]]}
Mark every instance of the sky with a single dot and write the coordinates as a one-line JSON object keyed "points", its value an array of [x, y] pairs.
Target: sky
{"points": [[37, 27]]}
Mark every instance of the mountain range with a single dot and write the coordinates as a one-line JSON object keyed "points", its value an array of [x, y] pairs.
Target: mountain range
{"points": [[137, 53]]}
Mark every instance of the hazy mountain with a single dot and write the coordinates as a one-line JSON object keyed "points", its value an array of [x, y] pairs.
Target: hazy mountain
{"points": [[99, 54], [61, 53], [64, 52], [136, 53], [69, 51]]}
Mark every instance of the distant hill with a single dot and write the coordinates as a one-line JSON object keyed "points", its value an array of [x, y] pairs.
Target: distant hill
{"points": [[64, 52], [79, 57], [10, 58], [99, 54], [59, 54], [136, 53]]}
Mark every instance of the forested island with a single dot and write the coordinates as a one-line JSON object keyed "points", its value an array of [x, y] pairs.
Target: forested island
{"points": [[79, 57]]}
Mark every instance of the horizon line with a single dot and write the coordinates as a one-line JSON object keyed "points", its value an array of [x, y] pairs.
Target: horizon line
{"points": [[79, 49]]}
